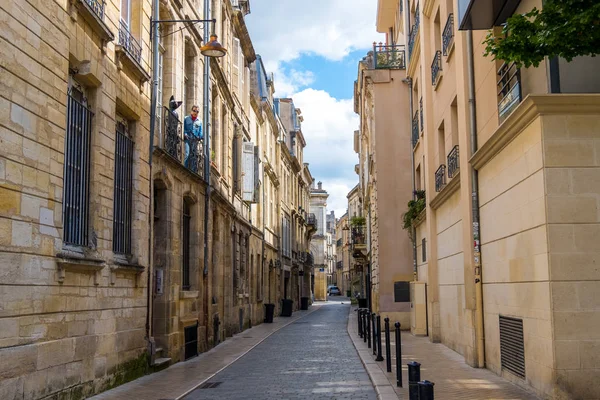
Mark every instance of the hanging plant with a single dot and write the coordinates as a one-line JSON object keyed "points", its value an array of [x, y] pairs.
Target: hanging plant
{"points": [[357, 221], [415, 207]]}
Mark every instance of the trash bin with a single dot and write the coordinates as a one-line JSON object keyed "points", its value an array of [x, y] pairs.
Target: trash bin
{"points": [[286, 307], [304, 303], [269, 311], [362, 303], [348, 293]]}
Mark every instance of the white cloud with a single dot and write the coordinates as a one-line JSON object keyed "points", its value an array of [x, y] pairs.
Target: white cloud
{"points": [[328, 128]]}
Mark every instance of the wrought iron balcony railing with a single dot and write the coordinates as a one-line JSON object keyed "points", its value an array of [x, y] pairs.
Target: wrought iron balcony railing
{"points": [[312, 219], [448, 35], [186, 149], [440, 178], [415, 129], [359, 236], [97, 6], [421, 113], [389, 56], [412, 35], [453, 162], [436, 67], [129, 43], [509, 89]]}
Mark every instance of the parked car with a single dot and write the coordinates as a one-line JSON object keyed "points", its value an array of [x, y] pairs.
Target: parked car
{"points": [[329, 288], [335, 291]]}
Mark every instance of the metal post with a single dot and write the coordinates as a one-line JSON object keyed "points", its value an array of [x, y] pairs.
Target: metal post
{"points": [[359, 319], [374, 336], [398, 355], [368, 329], [414, 376], [365, 326], [426, 390], [388, 350], [379, 356]]}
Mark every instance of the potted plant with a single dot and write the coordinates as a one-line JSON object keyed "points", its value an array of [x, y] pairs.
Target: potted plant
{"points": [[357, 221]]}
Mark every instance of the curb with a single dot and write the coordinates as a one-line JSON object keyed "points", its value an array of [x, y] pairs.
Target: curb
{"points": [[383, 388], [313, 309]]}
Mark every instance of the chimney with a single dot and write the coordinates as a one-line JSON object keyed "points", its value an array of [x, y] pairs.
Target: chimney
{"points": [[320, 184]]}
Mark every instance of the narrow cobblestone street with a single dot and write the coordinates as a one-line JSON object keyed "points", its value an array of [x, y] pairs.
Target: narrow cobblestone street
{"points": [[312, 358]]}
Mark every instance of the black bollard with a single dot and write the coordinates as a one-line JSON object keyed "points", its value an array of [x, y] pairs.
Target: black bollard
{"points": [[398, 355], [359, 318], [365, 326], [388, 349], [368, 329], [373, 319], [379, 356], [414, 376], [426, 390]]}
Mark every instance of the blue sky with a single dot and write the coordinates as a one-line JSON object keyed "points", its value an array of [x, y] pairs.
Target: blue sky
{"points": [[313, 47]]}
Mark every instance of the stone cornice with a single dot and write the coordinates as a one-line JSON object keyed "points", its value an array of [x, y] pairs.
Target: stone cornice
{"points": [[428, 7], [446, 192], [216, 69], [242, 34], [529, 109]]}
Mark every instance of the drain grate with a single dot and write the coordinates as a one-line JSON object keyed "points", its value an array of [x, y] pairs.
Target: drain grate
{"points": [[209, 385]]}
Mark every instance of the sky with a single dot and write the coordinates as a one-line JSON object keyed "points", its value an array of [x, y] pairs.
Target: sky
{"points": [[313, 48]]}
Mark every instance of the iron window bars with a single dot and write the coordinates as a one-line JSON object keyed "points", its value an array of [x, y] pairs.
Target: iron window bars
{"points": [[123, 188], [448, 34], [187, 219], [436, 67], [453, 162], [415, 129], [509, 89], [77, 169]]}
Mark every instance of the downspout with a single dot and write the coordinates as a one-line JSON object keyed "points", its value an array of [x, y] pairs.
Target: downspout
{"points": [[206, 118], [412, 173], [479, 333], [153, 100], [262, 256]]}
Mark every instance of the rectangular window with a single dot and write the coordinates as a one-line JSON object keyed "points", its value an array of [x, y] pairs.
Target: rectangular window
{"points": [[123, 191], [401, 292], [126, 12], [77, 169], [187, 219], [423, 250]]}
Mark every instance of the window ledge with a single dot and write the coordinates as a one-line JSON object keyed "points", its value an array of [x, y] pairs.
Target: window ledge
{"points": [[124, 58], [189, 294], [78, 262], [447, 191], [95, 21]]}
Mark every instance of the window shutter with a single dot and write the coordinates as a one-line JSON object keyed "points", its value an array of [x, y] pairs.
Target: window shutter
{"points": [[235, 60], [248, 172], [256, 175], [242, 73]]}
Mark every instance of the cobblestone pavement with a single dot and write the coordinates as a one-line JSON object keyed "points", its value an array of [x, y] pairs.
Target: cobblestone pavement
{"points": [[453, 378], [312, 358]]}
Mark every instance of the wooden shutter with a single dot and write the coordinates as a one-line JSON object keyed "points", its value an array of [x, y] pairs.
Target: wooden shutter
{"points": [[248, 171], [256, 175], [235, 68]]}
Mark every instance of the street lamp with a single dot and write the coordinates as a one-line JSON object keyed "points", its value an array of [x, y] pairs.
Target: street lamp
{"points": [[213, 48]]}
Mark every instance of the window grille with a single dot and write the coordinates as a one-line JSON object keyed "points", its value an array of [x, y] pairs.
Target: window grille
{"points": [[77, 169], [123, 191], [187, 218]]}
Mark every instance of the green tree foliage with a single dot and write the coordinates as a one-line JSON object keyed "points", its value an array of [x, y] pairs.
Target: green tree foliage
{"points": [[564, 28]]}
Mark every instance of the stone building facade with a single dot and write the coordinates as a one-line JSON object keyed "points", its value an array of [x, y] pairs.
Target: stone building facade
{"points": [[318, 245], [101, 253], [504, 157], [74, 188]]}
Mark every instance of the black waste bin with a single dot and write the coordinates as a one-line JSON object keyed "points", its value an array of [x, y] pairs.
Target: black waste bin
{"points": [[286, 307], [304, 303], [269, 311], [362, 303]]}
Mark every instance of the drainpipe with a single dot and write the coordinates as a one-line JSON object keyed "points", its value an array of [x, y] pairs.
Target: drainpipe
{"points": [[412, 173], [153, 100], [262, 256], [475, 208]]}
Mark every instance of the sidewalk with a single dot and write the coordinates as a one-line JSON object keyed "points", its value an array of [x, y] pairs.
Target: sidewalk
{"points": [[178, 380], [452, 377]]}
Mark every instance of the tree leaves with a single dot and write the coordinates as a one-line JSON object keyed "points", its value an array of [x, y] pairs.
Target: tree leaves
{"points": [[564, 28]]}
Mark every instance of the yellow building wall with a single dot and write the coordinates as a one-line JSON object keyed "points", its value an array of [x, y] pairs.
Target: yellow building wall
{"points": [[320, 285]]}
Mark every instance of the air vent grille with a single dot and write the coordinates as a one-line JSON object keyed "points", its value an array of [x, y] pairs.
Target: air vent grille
{"points": [[512, 348]]}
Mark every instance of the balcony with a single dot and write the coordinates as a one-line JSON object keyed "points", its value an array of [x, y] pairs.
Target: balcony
{"points": [[453, 162], [436, 68], [412, 35], [484, 14], [176, 145], [129, 53], [440, 178], [92, 11], [448, 35], [359, 236], [509, 89], [421, 113], [415, 129], [339, 265], [311, 219], [389, 56]]}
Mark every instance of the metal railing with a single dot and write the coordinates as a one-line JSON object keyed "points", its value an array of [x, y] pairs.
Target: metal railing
{"points": [[359, 236], [77, 172], [122, 214], [440, 178], [412, 35], [339, 265], [509, 88], [97, 6], [421, 113], [436, 67], [415, 129], [312, 219], [187, 219], [453, 162], [389, 56], [129, 43], [448, 34], [186, 149]]}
